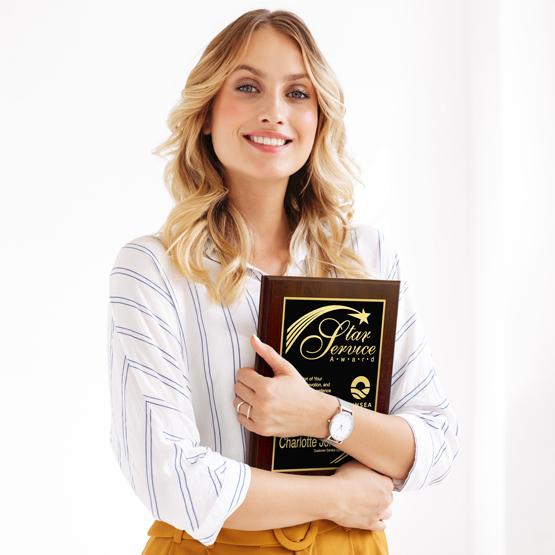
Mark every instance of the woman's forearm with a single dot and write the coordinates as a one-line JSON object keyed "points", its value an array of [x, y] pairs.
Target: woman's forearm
{"points": [[276, 500], [382, 442]]}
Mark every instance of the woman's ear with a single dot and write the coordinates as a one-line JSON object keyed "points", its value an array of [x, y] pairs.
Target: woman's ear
{"points": [[206, 126]]}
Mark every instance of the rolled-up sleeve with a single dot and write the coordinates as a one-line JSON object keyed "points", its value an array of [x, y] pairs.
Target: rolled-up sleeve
{"points": [[416, 392], [154, 434]]}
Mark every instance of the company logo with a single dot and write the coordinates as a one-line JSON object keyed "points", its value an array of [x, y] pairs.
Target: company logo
{"points": [[364, 391]]}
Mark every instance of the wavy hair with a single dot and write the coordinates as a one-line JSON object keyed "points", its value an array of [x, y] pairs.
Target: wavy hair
{"points": [[319, 197]]}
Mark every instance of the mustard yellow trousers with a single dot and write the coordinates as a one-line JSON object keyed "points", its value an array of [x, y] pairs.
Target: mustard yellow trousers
{"points": [[319, 537]]}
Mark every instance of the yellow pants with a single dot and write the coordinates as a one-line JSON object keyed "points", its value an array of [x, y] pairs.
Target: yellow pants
{"points": [[319, 537]]}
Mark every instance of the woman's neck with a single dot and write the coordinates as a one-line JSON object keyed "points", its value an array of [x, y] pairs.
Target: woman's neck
{"points": [[264, 211]]}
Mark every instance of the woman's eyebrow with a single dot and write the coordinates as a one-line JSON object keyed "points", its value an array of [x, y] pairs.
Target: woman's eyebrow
{"points": [[290, 77]]}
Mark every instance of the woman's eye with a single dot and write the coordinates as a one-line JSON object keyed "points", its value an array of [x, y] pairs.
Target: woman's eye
{"points": [[242, 86], [302, 92], [295, 91]]}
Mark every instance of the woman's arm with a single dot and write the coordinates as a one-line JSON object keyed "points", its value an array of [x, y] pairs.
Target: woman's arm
{"points": [[275, 500], [154, 433], [392, 448], [417, 400], [355, 496]]}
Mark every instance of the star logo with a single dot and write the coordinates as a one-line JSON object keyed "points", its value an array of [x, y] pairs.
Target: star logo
{"points": [[362, 316]]}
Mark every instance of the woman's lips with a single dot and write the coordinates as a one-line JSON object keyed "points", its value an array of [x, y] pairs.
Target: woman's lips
{"points": [[267, 148]]}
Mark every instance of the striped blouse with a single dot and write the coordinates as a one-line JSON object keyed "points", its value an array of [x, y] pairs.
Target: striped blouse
{"points": [[172, 359]]}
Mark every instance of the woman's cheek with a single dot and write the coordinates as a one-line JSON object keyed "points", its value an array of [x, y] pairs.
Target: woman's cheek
{"points": [[234, 110], [309, 121]]}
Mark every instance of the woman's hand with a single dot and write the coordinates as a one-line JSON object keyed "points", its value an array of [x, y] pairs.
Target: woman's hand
{"points": [[363, 498], [282, 406]]}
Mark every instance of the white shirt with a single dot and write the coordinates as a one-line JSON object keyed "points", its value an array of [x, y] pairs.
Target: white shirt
{"points": [[173, 356]]}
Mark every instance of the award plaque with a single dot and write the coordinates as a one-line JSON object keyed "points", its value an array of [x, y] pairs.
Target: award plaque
{"points": [[339, 333]]}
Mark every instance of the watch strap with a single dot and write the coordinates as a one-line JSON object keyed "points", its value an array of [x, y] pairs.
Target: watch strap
{"points": [[343, 406]]}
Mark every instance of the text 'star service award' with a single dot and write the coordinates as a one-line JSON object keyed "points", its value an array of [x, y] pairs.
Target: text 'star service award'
{"points": [[339, 333]]}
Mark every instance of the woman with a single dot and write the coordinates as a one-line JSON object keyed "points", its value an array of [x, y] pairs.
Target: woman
{"points": [[183, 310]]}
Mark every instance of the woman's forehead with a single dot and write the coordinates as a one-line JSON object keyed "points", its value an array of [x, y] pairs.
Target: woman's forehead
{"points": [[299, 74]]}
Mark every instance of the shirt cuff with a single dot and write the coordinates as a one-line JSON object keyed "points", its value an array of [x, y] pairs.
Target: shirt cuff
{"points": [[416, 478]]}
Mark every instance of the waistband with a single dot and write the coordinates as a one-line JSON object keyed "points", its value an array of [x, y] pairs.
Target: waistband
{"points": [[295, 538]]}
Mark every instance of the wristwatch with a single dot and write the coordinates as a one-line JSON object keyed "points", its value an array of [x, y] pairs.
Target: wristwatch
{"points": [[341, 424]]}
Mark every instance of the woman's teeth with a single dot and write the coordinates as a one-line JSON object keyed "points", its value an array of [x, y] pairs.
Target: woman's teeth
{"points": [[266, 141]]}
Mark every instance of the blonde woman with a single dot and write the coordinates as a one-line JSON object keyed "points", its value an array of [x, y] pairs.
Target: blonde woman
{"points": [[183, 311]]}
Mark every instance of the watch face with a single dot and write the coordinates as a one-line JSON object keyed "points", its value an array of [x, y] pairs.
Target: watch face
{"points": [[341, 426]]}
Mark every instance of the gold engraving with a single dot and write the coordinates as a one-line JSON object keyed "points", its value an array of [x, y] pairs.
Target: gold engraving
{"points": [[297, 327], [322, 343], [362, 316], [299, 442], [360, 393], [339, 458]]}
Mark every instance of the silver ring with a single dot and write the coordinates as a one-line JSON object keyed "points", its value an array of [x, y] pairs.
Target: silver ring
{"points": [[239, 406]]}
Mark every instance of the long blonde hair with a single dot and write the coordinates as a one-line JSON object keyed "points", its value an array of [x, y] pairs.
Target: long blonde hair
{"points": [[319, 197]]}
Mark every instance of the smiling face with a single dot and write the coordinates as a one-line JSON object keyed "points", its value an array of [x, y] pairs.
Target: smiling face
{"points": [[268, 100]]}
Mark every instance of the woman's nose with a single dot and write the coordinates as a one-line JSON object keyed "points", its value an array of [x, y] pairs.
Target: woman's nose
{"points": [[273, 105]]}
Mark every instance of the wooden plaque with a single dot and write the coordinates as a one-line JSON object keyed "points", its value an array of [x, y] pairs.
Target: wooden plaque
{"points": [[339, 333]]}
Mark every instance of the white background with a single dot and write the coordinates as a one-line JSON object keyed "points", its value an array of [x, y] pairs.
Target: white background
{"points": [[450, 114]]}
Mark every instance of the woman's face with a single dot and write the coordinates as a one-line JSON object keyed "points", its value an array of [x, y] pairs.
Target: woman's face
{"points": [[248, 103]]}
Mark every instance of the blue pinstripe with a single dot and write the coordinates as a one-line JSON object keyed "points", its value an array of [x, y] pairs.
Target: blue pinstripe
{"points": [[182, 480], [234, 340], [207, 373], [414, 391], [170, 292]]}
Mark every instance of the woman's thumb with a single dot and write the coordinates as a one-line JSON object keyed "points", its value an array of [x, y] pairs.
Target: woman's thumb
{"points": [[278, 364]]}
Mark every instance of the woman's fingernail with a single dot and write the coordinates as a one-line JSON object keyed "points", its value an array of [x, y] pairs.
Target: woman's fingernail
{"points": [[257, 339]]}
